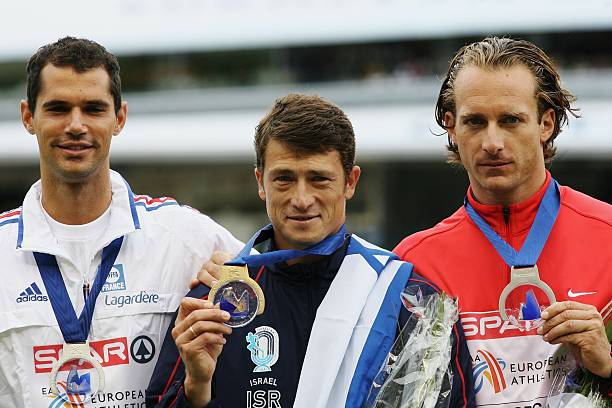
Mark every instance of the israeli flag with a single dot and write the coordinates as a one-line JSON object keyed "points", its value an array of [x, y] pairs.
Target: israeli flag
{"points": [[354, 328]]}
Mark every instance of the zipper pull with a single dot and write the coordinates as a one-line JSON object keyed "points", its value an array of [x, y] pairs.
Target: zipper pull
{"points": [[86, 290], [506, 211]]}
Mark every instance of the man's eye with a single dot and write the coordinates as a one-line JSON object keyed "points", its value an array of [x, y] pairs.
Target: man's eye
{"points": [[95, 109], [55, 109], [319, 179], [282, 179], [474, 122], [511, 120]]}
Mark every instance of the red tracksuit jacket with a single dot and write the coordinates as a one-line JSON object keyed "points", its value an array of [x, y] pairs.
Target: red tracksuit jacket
{"points": [[514, 368]]}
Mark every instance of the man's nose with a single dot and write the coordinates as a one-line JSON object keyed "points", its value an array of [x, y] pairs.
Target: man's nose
{"points": [[302, 196], [493, 140], [76, 123]]}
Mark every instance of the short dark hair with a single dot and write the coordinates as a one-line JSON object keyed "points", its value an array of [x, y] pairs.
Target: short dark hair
{"points": [[309, 125], [80, 54], [494, 53]]}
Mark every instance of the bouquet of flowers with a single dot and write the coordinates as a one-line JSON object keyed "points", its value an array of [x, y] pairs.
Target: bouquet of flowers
{"points": [[416, 373]]}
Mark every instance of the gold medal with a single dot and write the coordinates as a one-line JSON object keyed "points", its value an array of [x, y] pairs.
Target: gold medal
{"points": [[238, 294]]}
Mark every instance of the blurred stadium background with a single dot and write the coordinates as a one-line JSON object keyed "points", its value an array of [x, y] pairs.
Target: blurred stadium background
{"points": [[198, 76]]}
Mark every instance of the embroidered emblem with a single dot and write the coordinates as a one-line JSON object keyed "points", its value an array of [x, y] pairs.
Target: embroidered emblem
{"points": [[32, 294], [115, 279], [263, 345]]}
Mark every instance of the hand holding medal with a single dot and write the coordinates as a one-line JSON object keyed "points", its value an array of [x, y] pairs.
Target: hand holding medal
{"points": [[200, 327]]}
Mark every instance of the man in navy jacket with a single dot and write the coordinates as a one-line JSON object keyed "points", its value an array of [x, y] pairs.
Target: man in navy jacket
{"points": [[298, 353]]}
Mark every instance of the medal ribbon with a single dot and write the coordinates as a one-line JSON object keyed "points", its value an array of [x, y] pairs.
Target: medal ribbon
{"points": [[538, 234], [74, 330], [326, 247]]}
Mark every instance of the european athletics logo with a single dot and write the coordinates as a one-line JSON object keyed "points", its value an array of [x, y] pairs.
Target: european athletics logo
{"points": [[76, 401], [490, 368]]}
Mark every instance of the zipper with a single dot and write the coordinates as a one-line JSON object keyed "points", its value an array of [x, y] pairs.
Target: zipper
{"points": [[86, 290], [508, 224], [506, 216]]}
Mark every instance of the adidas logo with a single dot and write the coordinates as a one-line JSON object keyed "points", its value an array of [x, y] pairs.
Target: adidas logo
{"points": [[32, 294]]}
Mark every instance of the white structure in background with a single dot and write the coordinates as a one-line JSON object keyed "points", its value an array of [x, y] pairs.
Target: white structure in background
{"points": [[393, 118], [162, 26]]}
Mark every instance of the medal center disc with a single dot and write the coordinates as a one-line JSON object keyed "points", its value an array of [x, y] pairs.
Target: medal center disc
{"points": [[524, 306], [77, 380], [240, 300]]}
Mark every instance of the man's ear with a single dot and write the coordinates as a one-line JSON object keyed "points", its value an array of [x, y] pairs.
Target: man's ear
{"points": [[260, 186], [351, 182], [27, 117], [547, 125], [449, 123], [121, 118]]}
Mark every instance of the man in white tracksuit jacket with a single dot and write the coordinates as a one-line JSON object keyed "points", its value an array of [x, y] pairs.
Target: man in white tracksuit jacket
{"points": [[71, 215]]}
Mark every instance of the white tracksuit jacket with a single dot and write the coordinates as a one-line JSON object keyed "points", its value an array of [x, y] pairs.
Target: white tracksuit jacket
{"points": [[164, 247]]}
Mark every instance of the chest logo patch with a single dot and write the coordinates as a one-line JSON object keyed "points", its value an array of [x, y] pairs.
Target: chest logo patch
{"points": [[573, 294], [142, 349], [488, 367], [32, 294], [115, 279], [264, 346]]}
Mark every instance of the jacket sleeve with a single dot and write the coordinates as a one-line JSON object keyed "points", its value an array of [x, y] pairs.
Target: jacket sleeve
{"points": [[462, 390], [166, 385], [462, 393]]}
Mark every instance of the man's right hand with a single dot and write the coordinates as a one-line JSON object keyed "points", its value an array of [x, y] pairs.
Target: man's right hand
{"points": [[211, 270], [581, 326], [198, 334]]}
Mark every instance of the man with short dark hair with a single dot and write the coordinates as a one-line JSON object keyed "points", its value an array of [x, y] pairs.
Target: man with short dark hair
{"points": [[332, 308], [502, 105], [91, 272]]}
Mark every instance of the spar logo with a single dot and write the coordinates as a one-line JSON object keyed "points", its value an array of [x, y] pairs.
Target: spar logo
{"points": [[488, 325], [110, 352], [489, 368]]}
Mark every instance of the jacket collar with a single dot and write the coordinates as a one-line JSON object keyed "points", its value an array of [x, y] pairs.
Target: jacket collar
{"points": [[520, 215], [34, 233], [324, 268]]}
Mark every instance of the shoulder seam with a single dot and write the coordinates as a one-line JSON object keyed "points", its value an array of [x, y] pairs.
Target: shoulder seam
{"points": [[152, 204], [159, 221], [433, 233], [10, 213], [10, 217], [593, 217]]}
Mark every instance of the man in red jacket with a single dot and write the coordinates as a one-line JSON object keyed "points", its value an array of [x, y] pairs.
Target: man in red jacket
{"points": [[502, 105]]}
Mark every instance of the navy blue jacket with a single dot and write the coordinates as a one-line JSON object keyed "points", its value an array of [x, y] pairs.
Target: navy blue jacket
{"points": [[293, 294]]}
